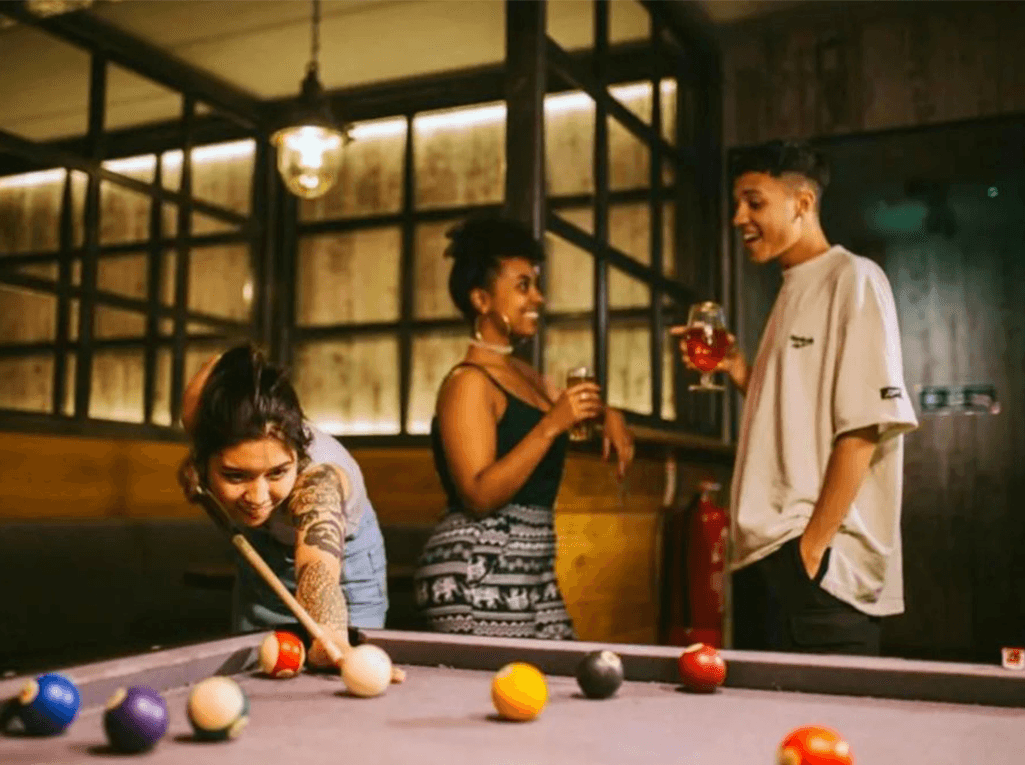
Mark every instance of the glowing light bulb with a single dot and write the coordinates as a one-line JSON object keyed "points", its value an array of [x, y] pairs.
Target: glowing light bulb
{"points": [[309, 158]]}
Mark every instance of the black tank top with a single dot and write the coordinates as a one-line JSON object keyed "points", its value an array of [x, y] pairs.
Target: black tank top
{"points": [[518, 420]]}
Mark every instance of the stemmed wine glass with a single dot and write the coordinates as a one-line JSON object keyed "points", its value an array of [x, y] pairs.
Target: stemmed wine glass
{"points": [[707, 341]]}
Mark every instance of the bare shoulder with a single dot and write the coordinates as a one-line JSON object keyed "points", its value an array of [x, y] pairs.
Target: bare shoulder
{"points": [[468, 386]]}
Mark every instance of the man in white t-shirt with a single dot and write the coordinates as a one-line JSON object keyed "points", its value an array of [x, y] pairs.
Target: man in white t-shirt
{"points": [[816, 492]]}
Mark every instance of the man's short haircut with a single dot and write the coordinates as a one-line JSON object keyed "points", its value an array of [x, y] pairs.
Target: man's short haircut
{"points": [[779, 158]]}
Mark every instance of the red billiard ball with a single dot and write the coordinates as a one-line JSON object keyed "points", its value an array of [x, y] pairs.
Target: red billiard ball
{"points": [[814, 745], [702, 669], [282, 654]]}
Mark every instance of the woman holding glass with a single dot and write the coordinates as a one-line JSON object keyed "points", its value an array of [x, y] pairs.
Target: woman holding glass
{"points": [[499, 438]]}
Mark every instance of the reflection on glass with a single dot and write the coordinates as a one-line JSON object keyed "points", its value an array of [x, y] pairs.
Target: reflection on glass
{"points": [[217, 281], [630, 232], [123, 275], [569, 143], [27, 316], [48, 271], [221, 173], [124, 214], [431, 270], [627, 292], [348, 277], [629, 374], [668, 377], [27, 383], [162, 387], [629, 159], [70, 362], [110, 323], [116, 392], [569, 275], [629, 22], [571, 25], [568, 344], [433, 356], [30, 211], [350, 386], [370, 181], [460, 156]]}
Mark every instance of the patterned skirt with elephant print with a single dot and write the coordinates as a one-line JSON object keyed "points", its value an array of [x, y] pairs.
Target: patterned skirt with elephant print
{"points": [[493, 576]]}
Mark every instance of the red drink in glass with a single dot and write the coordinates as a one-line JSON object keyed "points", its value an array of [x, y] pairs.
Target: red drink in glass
{"points": [[706, 347]]}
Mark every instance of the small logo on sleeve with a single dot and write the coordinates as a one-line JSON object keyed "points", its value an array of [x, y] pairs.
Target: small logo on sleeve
{"points": [[886, 393], [800, 342]]}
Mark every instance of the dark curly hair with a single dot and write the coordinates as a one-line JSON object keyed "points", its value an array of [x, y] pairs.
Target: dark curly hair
{"points": [[246, 398], [777, 158], [478, 248]]}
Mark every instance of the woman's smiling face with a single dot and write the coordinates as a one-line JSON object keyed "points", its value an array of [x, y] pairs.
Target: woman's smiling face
{"points": [[252, 478]]}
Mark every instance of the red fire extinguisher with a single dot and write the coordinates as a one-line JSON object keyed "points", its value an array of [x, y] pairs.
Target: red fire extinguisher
{"points": [[707, 531]]}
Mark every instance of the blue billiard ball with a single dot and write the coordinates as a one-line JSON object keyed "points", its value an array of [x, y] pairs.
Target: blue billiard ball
{"points": [[135, 719], [48, 704]]}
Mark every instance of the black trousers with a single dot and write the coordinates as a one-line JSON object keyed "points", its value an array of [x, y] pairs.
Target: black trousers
{"points": [[777, 607]]}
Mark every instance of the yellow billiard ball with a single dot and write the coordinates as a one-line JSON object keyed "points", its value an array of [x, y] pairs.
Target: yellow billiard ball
{"points": [[519, 692]]}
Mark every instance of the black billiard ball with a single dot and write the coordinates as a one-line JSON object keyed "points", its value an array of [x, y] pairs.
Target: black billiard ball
{"points": [[600, 673]]}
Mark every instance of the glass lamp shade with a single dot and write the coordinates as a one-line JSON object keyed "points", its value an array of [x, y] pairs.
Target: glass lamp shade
{"points": [[309, 158]]}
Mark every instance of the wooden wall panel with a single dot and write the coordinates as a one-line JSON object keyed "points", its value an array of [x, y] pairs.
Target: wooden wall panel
{"points": [[609, 544], [48, 478], [834, 68]]}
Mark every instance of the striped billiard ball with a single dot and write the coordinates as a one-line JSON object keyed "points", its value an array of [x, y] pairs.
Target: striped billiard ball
{"points": [[282, 654], [135, 719], [218, 709], [48, 704]]}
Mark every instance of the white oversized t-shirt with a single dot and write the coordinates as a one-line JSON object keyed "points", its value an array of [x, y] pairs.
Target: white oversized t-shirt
{"points": [[829, 362]]}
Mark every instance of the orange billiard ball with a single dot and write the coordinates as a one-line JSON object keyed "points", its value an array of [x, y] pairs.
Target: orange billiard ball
{"points": [[702, 669], [282, 654], [519, 691], [814, 745]]}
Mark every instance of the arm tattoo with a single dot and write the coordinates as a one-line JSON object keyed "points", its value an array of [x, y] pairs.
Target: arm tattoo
{"points": [[321, 595], [316, 505]]}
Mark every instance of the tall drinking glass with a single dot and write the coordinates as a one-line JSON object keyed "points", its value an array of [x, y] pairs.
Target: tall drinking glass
{"points": [[584, 430]]}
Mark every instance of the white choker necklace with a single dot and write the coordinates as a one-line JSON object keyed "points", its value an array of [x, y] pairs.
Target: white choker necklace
{"points": [[495, 347]]}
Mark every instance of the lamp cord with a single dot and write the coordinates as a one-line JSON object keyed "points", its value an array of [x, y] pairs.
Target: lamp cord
{"points": [[315, 38]]}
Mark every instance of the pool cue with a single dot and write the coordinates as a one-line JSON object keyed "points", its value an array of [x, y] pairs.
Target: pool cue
{"points": [[224, 522]]}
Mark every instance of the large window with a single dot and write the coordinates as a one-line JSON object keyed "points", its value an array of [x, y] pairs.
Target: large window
{"points": [[118, 280]]}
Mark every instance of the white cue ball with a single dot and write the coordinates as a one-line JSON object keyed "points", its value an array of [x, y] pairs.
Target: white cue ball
{"points": [[367, 671], [218, 708]]}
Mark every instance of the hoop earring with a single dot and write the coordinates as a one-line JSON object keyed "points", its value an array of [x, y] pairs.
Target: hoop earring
{"points": [[505, 321]]}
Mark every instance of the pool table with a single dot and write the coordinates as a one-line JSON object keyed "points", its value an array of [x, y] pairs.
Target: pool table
{"points": [[891, 711]]}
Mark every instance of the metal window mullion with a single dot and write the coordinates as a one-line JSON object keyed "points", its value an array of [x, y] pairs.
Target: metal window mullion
{"points": [[526, 71], [600, 325], [407, 259], [182, 250], [655, 231], [83, 365], [154, 285], [67, 234], [260, 243]]}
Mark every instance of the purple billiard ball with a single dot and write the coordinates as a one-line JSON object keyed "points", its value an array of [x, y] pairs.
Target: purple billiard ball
{"points": [[135, 719], [48, 704]]}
